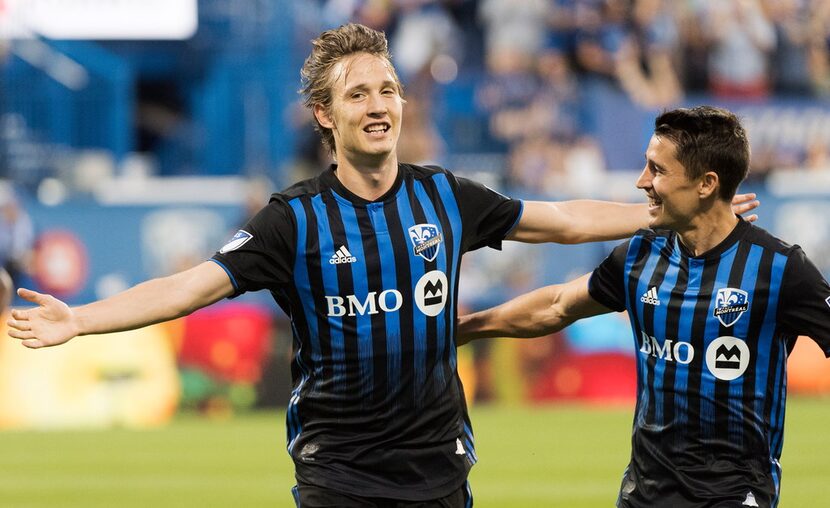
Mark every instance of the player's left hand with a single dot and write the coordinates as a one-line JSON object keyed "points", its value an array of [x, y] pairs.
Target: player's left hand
{"points": [[743, 203]]}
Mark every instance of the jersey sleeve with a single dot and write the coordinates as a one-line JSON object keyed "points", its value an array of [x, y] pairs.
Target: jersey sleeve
{"points": [[607, 283], [487, 215], [260, 255], [805, 300]]}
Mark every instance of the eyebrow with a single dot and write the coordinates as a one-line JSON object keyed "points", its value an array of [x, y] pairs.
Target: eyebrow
{"points": [[653, 163], [364, 86]]}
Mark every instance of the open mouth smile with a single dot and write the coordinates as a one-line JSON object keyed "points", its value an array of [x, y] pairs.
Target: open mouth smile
{"points": [[377, 128]]}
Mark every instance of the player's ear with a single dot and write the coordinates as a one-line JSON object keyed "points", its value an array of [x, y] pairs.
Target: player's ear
{"points": [[323, 117], [708, 185]]}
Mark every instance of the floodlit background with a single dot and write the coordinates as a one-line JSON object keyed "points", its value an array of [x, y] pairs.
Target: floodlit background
{"points": [[137, 135]]}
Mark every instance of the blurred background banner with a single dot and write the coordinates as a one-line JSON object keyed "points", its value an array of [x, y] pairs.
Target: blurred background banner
{"points": [[137, 136], [99, 19]]}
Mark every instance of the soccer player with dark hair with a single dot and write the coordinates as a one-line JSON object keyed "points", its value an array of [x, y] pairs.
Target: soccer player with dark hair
{"points": [[364, 259], [715, 306]]}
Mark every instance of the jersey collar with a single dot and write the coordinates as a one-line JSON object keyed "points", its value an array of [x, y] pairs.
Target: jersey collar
{"points": [[329, 179], [737, 233]]}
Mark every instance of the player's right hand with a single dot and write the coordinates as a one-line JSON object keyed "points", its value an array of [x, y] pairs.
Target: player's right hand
{"points": [[51, 323]]}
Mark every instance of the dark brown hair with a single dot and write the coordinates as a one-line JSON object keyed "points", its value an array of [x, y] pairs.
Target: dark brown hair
{"points": [[708, 139]]}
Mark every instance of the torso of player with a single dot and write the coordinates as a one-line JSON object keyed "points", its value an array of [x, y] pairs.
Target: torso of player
{"points": [[707, 326], [379, 277]]}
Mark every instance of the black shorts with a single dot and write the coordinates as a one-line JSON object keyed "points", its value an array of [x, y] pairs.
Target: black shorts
{"points": [[311, 496]]}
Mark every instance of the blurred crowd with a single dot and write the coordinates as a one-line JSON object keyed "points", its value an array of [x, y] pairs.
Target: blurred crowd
{"points": [[533, 59]]}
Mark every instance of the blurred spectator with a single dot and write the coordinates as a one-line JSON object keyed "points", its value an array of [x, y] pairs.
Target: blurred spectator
{"points": [[514, 32], [790, 68], [819, 56], [17, 235], [742, 39], [422, 143], [694, 46], [817, 157], [600, 34], [536, 163], [644, 64], [425, 35]]}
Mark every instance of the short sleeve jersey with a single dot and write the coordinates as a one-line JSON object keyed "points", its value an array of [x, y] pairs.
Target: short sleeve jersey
{"points": [[712, 335], [377, 407]]}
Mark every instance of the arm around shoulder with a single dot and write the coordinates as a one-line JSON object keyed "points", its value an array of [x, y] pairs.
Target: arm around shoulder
{"points": [[578, 221]]}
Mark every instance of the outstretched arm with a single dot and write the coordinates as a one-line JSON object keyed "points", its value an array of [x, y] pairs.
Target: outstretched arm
{"points": [[53, 322], [584, 220], [540, 312]]}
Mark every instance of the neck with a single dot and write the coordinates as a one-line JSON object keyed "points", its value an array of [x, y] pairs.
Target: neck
{"points": [[368, 179], [708, 229]]}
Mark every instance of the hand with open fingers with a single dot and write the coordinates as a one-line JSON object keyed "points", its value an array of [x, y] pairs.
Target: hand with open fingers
{"points": [[51, 323], [743, 203]]}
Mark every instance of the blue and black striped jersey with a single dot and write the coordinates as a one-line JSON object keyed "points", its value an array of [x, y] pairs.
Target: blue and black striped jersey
{"points": [[377, 407], [712, 335]]}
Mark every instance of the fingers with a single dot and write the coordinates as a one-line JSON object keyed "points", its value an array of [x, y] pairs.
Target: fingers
{"points": [[27, 338], [32, 296], [23, 326], [20, 314], [751, 218], [20, 334], [745, 207]]}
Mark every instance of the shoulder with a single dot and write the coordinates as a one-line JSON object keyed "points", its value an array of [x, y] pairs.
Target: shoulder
{"points": [[653, 236], [644, 243], [423, 172], [309, 187], [763, 238]]}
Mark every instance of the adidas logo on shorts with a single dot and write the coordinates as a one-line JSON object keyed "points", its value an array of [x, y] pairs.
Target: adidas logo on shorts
{"points": [[650, 297], [342, 256]]}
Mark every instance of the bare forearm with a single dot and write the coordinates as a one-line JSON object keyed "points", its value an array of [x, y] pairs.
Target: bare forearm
{"points": [[596, 221], [148, 303], [535, 314], [141, 305], [579, 221], [531, 315]]}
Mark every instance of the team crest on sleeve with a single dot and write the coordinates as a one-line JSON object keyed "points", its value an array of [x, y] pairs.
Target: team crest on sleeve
{"points": [[730, 304], [426, 240], [237, 241]]}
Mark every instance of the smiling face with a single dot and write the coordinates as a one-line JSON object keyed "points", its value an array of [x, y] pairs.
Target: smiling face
{"points": [[673, 199], [365, 113]]}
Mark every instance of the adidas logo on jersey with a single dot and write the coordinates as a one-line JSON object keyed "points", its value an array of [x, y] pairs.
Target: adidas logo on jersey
{"points": [[650, 297], [342, 256]]}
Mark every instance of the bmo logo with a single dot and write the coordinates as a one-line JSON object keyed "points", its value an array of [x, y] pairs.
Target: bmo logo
{"points": [[727, 357], [387, 301], [670, 351], [431, 293], [430, 296]]}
